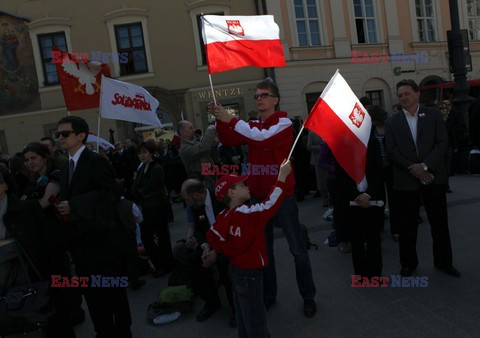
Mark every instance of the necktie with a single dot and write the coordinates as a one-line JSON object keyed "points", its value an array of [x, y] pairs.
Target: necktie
{"points": [[71, 168]]}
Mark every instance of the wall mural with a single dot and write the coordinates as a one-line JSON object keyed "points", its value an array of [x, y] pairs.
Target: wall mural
{"points": [[18, 76]]}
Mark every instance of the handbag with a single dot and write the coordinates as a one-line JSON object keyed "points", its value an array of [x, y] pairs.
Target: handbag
{"points": [[25, 308]]}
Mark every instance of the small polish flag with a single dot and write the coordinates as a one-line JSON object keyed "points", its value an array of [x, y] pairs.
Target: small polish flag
{"points": [[343, 122], [238, 41]]}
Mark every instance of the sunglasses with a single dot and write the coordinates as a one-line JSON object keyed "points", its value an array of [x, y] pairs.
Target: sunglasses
{"points": [[64, 133], [262, 95]]}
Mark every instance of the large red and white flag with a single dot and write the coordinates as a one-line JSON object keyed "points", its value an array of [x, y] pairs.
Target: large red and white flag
{"points": [[80, 79], [343, 122], [238, 41], [128, 102]]}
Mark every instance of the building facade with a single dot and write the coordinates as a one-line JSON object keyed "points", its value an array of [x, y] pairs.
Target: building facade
{"points": [[158, 45], [154, 44], [374, 44]]}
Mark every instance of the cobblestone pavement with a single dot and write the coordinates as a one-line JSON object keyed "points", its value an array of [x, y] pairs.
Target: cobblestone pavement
{"points": [[448, 307]]}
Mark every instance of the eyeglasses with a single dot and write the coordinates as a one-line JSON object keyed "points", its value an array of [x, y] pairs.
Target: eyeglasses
{"points": [[64, 133], [263, 96]]}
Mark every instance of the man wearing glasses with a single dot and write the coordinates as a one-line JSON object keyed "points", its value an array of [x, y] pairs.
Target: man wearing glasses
{"points": [[269, 141], [88, 196]]}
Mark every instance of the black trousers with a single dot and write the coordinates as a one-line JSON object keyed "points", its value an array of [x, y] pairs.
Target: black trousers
{"points": [[108, 306], [365, 228], [435, 203], [392, 202], [204, 281], [156, 220]]}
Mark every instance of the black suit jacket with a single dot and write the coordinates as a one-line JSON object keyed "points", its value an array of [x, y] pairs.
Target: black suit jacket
{"points": [[347, 188], [200, 219], [431, 147], [92, 196]]}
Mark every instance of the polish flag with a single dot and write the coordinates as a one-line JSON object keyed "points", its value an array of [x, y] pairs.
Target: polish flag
{"points": [[238, 41], [342, 121]]}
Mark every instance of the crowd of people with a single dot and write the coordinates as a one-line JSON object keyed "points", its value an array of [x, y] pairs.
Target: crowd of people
{"points": [[77, 212]]}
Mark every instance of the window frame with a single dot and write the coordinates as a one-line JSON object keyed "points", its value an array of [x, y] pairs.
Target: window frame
{"points": [[364, 19], [379, 24], [197, 33], [437, 22], [128, 16], [41, 27], [319, 5], [131, 49], [44, 60], [466, 19]]}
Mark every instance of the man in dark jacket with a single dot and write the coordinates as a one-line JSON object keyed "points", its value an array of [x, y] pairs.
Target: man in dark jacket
{"points": [[416, 142], [88, 195], [201, 256]]}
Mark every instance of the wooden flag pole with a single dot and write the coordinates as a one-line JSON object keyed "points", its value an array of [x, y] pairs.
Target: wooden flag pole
{"points": [[211, 86], [295, 143]]}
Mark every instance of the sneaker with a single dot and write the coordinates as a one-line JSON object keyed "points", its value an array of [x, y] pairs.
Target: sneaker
{"points": [[309, 308]]}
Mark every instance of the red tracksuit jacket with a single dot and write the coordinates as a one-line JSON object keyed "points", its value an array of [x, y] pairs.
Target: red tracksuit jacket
{"points": [[239, 233], [269, 143]]}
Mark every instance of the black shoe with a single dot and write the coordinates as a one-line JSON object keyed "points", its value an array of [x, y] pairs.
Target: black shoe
{"points": [[206, 313], [317, 194], [137, 284], [232, 322], [449, 190], [78, 316], [451, 271], [406, 272], [419, 220], [396, 237], [309, 308], [268, 303]]}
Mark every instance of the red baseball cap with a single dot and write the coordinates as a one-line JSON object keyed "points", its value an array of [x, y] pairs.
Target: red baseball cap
{"points": [[225, 182]]}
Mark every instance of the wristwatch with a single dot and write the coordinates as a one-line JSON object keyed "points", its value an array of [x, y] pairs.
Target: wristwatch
{"points": [[425, 167]]}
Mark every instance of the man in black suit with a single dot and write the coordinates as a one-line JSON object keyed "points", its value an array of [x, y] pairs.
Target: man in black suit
{"points": [[88, 195], [201, 256], [416, 142]]}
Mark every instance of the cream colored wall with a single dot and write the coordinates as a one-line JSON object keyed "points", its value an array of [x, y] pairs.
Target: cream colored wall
{"points": [[173, 54]]}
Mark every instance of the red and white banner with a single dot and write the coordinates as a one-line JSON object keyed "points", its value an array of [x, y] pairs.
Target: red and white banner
{"points": [[342, 121], [238, 41], [80, 80], [128, 102]]}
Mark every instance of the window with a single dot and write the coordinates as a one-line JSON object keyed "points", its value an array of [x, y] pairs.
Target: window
{"points": [[365, 21], [473, 17], [202, 43], [307, 23], [376, 96], [130, 40], [46, 42], [312, 99], [425, 20]]}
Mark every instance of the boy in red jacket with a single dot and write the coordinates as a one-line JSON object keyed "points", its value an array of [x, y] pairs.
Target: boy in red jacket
{"points": [[239, 234]]}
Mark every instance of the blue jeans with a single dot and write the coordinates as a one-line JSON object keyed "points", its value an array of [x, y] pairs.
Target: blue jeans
{"points": [[287, 217], [251, 315]]}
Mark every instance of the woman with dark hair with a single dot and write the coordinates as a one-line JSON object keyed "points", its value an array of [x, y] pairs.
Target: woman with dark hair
{"points": [[45, 182], [44, 173], [150, 194]]}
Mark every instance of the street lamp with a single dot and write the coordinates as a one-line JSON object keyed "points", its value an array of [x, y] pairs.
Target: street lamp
{"points": [[457, 51]]}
